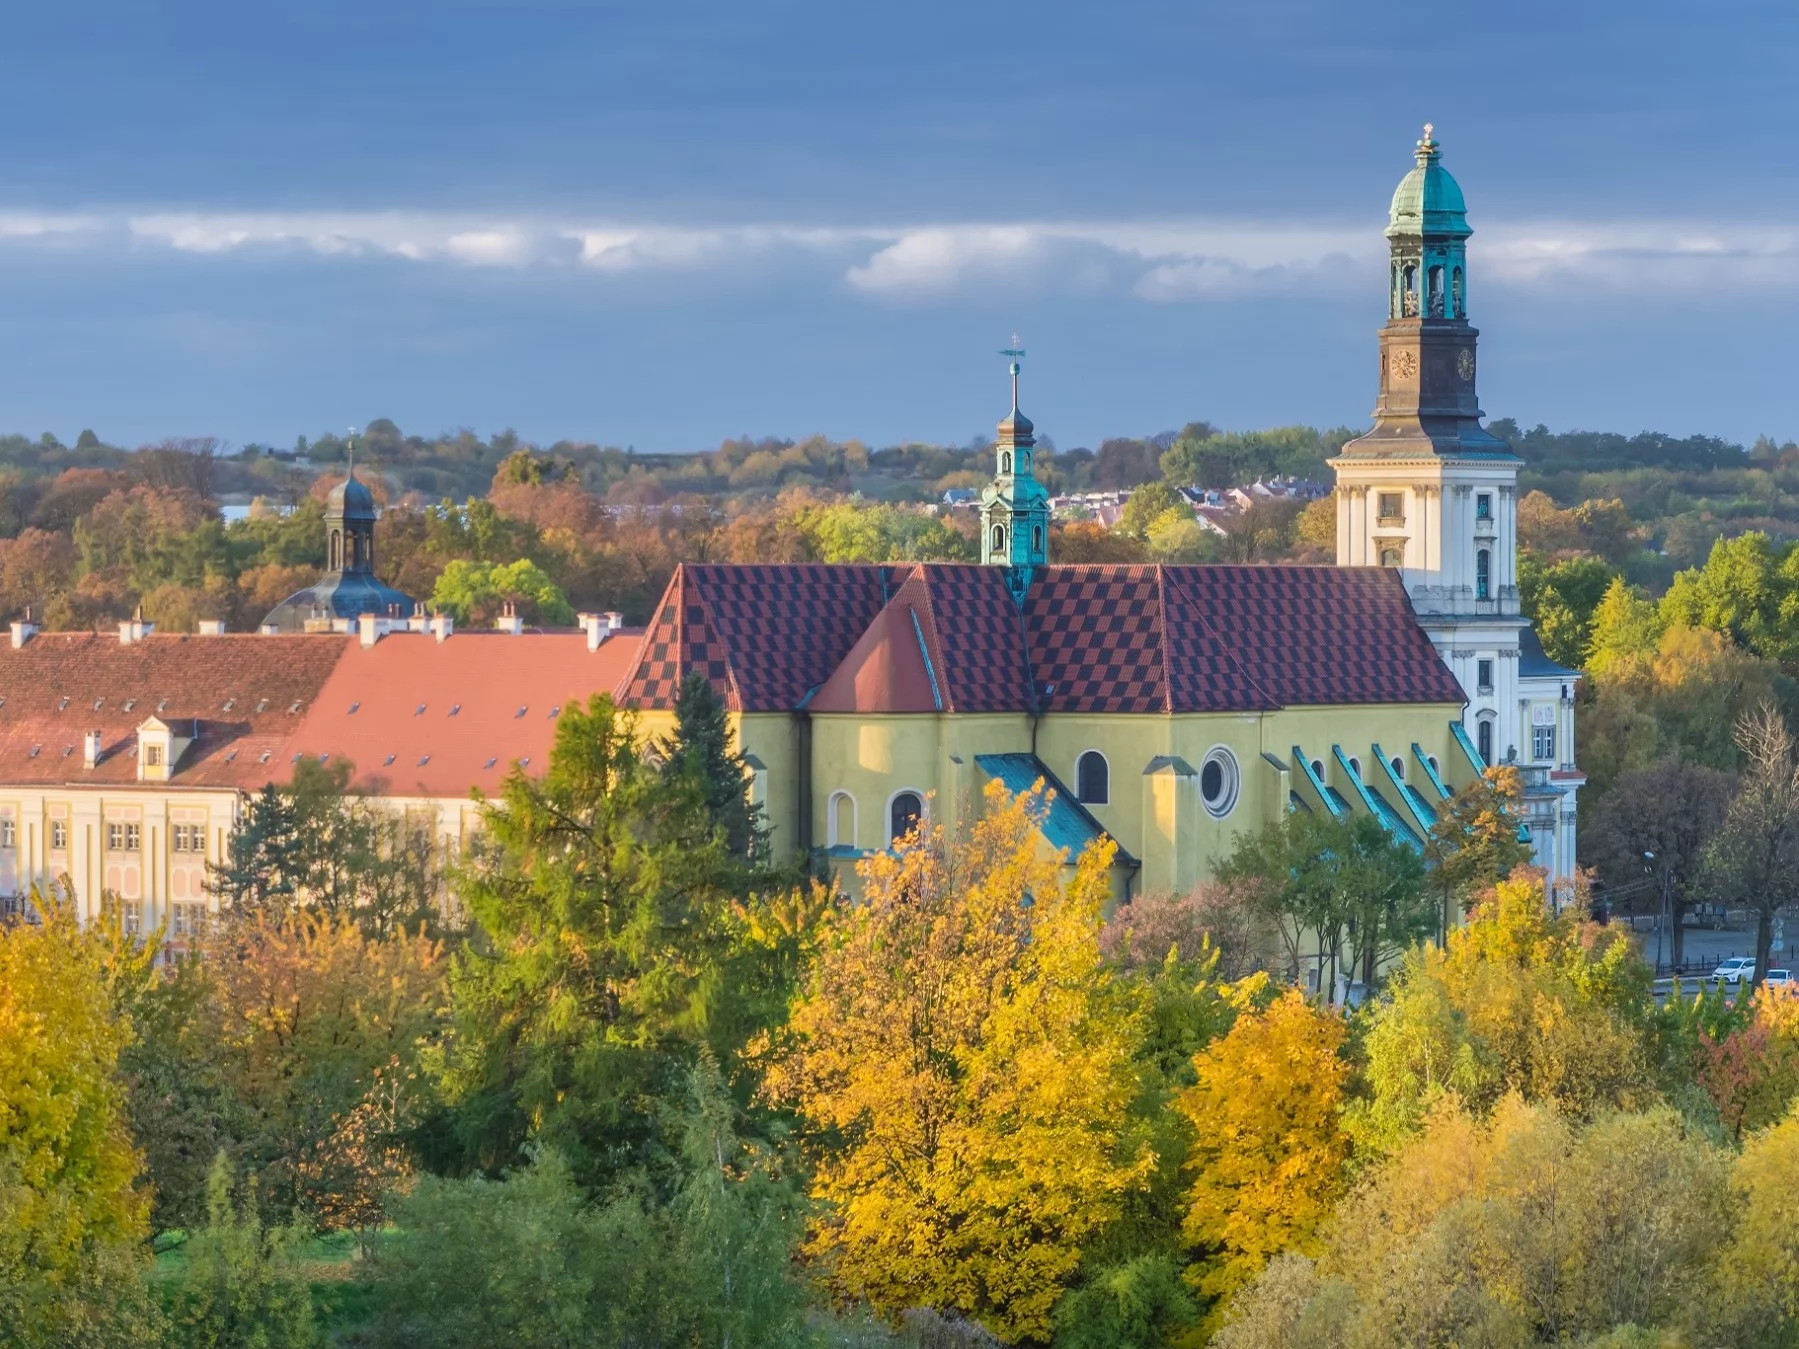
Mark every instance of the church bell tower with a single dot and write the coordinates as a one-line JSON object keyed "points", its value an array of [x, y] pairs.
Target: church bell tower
{"points": [[1015, 506], [1433, 494]]}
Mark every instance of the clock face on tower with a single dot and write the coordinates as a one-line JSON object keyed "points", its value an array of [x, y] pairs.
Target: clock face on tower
{"points": [[1464, 364]]}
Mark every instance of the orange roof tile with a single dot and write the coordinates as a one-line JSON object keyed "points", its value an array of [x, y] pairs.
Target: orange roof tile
{"points": [[419, 717], [242, 693]]}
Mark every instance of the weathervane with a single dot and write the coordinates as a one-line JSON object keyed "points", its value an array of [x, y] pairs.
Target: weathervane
{"points": [[350, 440], [1016, 354], [1428, 128]]}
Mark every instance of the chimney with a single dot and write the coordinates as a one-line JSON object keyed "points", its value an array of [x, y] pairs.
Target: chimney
{"points": [[269, 630], [211, 627], [509, 622], [418, 622], [134, 629], [442, 625], [594, 625], [90, 749], [370, 628], [23, 629], [614, 620]]}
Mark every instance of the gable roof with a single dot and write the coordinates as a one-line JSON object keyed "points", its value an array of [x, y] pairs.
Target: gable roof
{"points": [[453, 715], [239, 695], [930, 636]]}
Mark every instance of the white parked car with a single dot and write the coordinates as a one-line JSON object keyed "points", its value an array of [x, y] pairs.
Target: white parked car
{"points": [[1778, 978], [1735, 970]]}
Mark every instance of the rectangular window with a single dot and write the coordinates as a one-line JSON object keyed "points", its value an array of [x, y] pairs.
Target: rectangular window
{"points": [[1483, 675], [59, 836], [188, 918], [1483, 506], [1542, 742], [1392, 508], [152, 756], [130, 913], [9, 833], [122, 837], [186, 838]]}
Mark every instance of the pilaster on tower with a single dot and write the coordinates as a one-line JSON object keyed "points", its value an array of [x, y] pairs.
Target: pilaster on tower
{"points": [[1015, 506]]}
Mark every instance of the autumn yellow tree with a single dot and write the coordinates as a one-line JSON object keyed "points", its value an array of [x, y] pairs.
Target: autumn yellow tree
{"points": [[1759, 1271], [1474, 841], [1522, 999], [71, 1213], [1268, 1147], [320, 1029], [962, 1060]]}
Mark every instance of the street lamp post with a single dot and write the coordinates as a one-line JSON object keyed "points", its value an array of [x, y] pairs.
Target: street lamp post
{"points": [[1661, 913]]}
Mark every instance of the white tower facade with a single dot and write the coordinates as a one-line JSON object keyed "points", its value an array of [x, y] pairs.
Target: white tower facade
{"points": [[1432, 493]]}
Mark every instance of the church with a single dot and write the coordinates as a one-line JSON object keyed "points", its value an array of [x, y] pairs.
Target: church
{"points": [[1168, 709]]}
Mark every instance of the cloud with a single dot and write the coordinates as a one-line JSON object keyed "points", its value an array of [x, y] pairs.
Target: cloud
{"points": [[1170, 261]]}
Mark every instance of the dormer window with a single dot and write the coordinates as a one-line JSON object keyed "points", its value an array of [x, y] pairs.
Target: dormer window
{"points": [[152, 756]]}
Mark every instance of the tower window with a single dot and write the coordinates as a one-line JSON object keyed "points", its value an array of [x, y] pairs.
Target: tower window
{"points": [[1543, 742], [1483, 676], [903, 815], [1037, 540], [1093, 779], [1392, 508], [337, 551], [1408, 292], [1483, 506], [1392, 557], [1436, 292], [1483, 575], [1457, 306], [1005, 463], [1484, 736], [999, 538]]}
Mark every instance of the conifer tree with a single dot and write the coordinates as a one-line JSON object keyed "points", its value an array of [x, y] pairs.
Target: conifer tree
{"points": [[702, 750], [262, 858]]}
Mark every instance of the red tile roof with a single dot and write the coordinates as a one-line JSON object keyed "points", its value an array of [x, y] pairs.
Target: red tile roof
{"points": [[243, 693], [454, 715], [1090, 638]]}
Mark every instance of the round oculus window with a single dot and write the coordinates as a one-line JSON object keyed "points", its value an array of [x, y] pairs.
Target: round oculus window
{"points": [[1218, 782]]}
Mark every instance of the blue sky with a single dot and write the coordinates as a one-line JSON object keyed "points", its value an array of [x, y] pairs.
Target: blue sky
{"points": [[662, 224]]}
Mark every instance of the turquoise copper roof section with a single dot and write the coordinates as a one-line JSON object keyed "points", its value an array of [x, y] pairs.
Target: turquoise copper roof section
{"points": [[1428, 201], [1068, 825], [1376, 804]]}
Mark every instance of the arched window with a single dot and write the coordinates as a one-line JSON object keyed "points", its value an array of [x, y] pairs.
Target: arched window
{"points": [[1483, 575], [1408, 292], [1005, 463], [1484, 738], [1457, 303], [1092, 779], [1037, 540], [1436, 292], [1355, 766], [1392, 557], [999, 538], [903, 814], [840, 823], [1318, 769], [337, 551], [1398, 768]]}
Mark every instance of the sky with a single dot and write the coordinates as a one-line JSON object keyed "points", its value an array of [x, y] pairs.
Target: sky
{"points": [[664, 224]]}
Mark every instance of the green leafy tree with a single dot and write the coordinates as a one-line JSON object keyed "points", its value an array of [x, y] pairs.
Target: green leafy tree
{"points": [[1315, 875], [241, 1285], [475, 592]]}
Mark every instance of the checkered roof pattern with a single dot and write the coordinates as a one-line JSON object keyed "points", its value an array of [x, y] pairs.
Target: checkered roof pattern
{"points": [[1093, 638]]}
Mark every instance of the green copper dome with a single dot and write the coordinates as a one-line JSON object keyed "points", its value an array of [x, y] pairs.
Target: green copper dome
{"points": [[1428, 200]]}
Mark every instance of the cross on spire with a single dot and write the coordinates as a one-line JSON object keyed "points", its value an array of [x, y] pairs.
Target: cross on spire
{"points": [[1016, 353]]}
